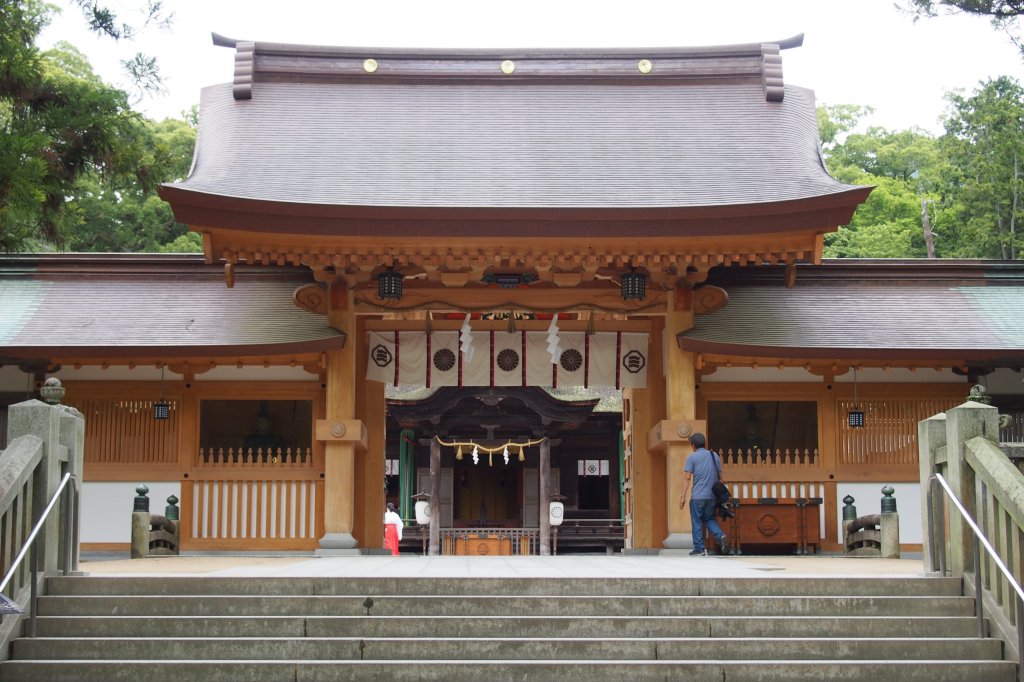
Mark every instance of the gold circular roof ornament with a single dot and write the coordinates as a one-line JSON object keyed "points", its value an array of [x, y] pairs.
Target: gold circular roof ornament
{"points": [[644, 66], [508, 67], [370, 65]]}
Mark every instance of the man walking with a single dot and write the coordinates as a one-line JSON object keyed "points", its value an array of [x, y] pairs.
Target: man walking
{"points": [[701, 470]]}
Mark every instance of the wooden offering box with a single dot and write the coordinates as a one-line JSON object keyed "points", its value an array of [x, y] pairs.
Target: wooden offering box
{"points": [[768, 524]]}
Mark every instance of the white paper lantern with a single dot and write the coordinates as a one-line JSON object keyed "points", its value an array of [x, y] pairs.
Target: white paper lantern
{"points": [[555, 512], [422, 512]]}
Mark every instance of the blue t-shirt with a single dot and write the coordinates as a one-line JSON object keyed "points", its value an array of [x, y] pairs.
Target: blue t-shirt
{"points": [[705, 467]]}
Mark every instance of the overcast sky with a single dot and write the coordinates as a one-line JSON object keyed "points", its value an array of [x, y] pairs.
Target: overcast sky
{"points": [[854, 52]]}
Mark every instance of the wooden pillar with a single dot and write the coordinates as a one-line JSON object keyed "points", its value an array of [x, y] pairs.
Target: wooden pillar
{"points": [[339, 456], [370, 466], [435, 498], [543, 501], [680, 404]]}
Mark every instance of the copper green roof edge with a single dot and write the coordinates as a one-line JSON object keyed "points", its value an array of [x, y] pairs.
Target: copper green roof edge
{"points": [[19, 302], [1003, 308]]}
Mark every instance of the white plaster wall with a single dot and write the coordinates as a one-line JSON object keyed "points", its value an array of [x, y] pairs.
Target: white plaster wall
{"points": [[868, 500], [152, 373], [1004, 381], [107, 507], [13, 380], [274, 373], [798, 374]]}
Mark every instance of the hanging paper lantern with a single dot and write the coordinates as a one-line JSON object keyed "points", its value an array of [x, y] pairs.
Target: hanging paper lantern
{"points": [[555, 513], [422, 512]]}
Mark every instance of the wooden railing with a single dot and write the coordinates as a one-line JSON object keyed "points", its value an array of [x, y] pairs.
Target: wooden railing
{"points": [[777, 458], [1014, 431], [254, 457], [231, 513], [518, 540], [755, 489]]}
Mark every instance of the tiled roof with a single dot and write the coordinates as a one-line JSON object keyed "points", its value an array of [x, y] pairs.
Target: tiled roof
{"points": [[822, 316], [45, 311], [335, 136]]}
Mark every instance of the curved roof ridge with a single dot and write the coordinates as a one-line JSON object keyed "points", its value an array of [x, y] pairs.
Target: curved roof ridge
{"points": [[257, 61]]}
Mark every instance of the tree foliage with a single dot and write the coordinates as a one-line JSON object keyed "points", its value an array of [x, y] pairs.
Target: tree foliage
{"points": [[968, 180], [1004, 14], [69, 143]]}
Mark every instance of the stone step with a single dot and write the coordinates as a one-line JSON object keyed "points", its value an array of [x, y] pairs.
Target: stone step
{"points": [[497, 605], [870, 670], [806, 586], [525, 626], [523, 648]]}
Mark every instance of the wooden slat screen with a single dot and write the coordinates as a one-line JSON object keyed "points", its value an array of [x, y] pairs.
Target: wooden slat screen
{"points": [[281, 513], [123, 431], [889, 434]]}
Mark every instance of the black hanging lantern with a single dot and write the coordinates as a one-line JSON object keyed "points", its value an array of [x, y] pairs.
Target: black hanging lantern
{"points": [[855, 417], [161, 408], [633, 285], [389, 284]]}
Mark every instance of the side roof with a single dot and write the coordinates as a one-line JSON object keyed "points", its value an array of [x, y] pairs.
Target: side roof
{"points": [[947, 310], [144, 306]]}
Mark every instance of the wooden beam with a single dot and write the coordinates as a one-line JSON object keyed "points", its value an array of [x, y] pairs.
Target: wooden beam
{"points": [[530, 298]]}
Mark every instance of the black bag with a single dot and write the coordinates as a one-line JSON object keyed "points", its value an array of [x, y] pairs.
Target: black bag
{"points": [[722, 497]]}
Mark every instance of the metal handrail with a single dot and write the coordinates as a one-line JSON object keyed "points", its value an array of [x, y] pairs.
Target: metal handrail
{"points": [[30, 544], [980, 540]]}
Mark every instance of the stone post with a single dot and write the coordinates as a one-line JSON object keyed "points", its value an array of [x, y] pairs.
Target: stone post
{"points": [[849, 516], [889, 523], [931, 438], [62, 431], [970, 420], [171, 513], [140, 523]]}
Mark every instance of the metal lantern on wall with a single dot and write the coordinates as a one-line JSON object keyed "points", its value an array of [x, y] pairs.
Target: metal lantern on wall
{"points": [[633, 285], [855, 417], [389, 284], [161, 408]]}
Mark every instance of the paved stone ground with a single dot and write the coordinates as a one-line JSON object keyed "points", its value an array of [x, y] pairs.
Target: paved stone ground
{"points": [[568, 566]]}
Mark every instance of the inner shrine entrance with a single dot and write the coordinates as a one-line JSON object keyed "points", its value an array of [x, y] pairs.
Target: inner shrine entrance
{"points": [[493, 458]]}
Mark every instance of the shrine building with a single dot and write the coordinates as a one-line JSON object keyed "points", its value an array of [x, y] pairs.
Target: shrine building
{"points": [[497, 279]]}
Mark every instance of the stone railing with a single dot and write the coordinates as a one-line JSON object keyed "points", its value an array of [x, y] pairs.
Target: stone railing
{"points": [[962, 446], [45, 443]]}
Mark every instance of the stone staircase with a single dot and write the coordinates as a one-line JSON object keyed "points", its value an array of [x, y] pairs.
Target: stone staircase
{"points": [[298, 629]]}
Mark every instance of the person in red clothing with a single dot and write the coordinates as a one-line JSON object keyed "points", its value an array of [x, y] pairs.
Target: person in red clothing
{"points": [[392, 529]]}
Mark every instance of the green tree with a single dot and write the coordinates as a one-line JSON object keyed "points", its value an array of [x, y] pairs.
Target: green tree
{"points": [[984, 141], [1004, 14], [60, 125], [904, 167], [120, 215]]}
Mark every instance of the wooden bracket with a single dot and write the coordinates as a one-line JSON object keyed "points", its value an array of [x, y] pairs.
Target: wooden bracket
{"points": [[684, 295], [673, 432], [342, 431]]}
